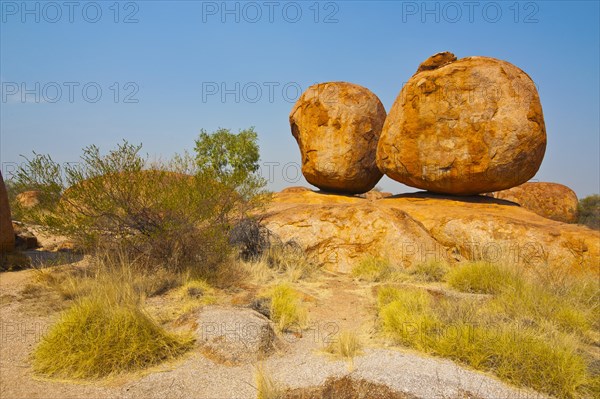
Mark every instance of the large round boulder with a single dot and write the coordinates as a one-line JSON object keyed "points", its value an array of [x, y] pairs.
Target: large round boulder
{"points": [[550, 200], [7, 234], [337, 127], [464, 127]]}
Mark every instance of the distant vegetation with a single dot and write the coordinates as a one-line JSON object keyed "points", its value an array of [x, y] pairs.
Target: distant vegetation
{"points": [[589, 211]]}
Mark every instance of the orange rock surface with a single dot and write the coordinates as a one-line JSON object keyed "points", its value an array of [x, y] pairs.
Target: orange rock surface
{"points": [[550, 200], [466, 127], [340, 231]]}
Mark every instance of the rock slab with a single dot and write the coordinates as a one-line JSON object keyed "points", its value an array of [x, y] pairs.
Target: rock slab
{"points": [[340, 231], [233, 336]]}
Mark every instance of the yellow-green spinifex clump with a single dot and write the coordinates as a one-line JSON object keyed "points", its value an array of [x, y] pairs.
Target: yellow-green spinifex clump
{"points": [[531, 330], [287, 311], [99, 336]]}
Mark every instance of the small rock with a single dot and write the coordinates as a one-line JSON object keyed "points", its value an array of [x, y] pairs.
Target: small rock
{"points": [[436, 61], [235, 336]]}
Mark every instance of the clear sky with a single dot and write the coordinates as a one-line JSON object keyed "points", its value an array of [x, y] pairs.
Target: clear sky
{"points": [[156, 72]]}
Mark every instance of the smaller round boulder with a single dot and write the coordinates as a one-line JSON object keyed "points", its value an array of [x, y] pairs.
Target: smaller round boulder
{"points": [[337, 127], [550, 200]]}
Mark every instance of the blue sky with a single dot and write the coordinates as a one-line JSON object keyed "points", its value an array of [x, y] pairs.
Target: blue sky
{"points": [[168, 69]]}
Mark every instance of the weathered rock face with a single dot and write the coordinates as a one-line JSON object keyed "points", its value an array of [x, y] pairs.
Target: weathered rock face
{"points": [[7, 234], [550, 200], [235, 335], [29, 199], [340, 231], [465, 127], [337, 127]]}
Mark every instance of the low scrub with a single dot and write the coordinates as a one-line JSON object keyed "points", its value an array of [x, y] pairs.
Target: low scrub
{"points": [[429, 271], [521, 354], [108, 271], [279, 261], [525, 331]]}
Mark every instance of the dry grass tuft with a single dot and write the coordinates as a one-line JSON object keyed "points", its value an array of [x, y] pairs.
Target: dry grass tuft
{"points": [[372, 269], [286, 309], [266, 387], [347, 345]]}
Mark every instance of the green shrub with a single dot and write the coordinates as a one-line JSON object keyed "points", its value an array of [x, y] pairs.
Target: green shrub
{"points": [[589, 211], [160, 211]]}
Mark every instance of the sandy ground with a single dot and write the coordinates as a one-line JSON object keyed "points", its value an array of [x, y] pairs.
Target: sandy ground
{"points": [[335, 303]]}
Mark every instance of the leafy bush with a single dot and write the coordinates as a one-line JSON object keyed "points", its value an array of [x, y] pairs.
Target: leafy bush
{"points": [[177, 213], [589, 211]]}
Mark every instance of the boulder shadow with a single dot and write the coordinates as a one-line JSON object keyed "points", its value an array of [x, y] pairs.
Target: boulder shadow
{"points": [[470, 199]]}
